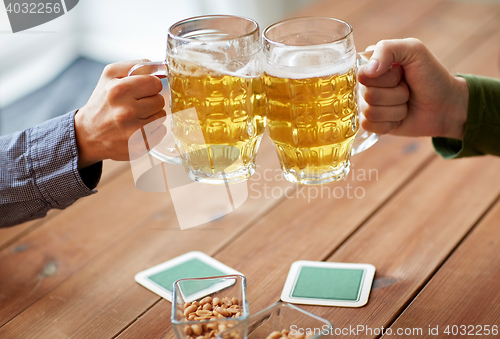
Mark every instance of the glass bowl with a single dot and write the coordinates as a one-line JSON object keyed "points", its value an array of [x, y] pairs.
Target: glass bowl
{"points": [[272, 321], [221, 292]]}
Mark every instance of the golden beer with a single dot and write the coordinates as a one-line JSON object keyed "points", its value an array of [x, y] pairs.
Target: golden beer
{"points": [[313, 123], [224, 130]]}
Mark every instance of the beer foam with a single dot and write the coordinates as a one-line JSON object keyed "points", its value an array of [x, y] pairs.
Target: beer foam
{"points": [[196, 61], [301, 63]]}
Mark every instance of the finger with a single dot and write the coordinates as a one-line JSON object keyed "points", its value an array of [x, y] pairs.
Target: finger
{"points": [[380, 96], [149, 105], [379, 127], [385, 113], [120, 69], [391, 78], [136, 87], [159, 115], [151, 126], [388, 52], [156, 136]]}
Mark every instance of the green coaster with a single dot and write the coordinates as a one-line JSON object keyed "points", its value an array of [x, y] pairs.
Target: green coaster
{"points": [[160, 278], [329, 284]]}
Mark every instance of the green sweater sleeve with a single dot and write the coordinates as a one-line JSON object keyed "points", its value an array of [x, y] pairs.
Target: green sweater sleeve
{"points": [[482, 129]]}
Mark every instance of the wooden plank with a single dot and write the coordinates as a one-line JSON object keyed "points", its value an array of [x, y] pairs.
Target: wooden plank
{"points": [[464, 292], [9, 234], [482, 59], [304, 227], [435, 206], [111, 169], [411, 236], [389, 20], [68, 240], [94, 276], [339, 9]]}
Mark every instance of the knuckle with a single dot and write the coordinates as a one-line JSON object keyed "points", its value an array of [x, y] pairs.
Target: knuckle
{"points": [[116, 90], [162, 113], [384, 128], [362, 78], [160, 101], [124, 114], [370, 113], [414, 41], [383, 44], [156, 84], [405, 91], [370, 96], [109, 70], [415, 44]]}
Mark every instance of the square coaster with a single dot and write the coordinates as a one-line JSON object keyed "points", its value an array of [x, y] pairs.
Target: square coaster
{"points": [[328, 283], [160, 278]]}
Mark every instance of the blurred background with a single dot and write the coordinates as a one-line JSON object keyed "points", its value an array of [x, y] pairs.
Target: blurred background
{"points": [[53, 68]]}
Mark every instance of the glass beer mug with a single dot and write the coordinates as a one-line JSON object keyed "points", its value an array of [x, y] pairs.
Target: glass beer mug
{"points": [[217, 97], [310, 69]]}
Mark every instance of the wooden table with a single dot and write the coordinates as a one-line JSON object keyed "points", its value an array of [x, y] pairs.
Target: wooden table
{"points": [[431, 227]]}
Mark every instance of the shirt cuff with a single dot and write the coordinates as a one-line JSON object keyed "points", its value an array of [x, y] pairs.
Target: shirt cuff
{"points": [[53, 156], [452, 148]]}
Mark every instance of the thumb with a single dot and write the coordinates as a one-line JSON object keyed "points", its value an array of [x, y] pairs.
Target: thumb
{"points": [[388, 52]]}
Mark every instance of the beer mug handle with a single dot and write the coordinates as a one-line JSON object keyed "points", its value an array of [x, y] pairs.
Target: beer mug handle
{"points": [[159, 69], [364, 139]]}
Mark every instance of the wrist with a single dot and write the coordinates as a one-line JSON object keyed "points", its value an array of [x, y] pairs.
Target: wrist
{"points": [[456, 116], [87, 155]]}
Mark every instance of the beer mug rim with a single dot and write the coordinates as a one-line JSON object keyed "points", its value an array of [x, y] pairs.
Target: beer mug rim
{"points": [[269, 40], [174, 32]]}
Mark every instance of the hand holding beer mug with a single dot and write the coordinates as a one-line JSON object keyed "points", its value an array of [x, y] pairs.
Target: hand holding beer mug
{"points": [[216, 97], [310, 73]]}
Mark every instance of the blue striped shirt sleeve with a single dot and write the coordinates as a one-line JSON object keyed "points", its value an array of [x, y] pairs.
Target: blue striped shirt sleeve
{"points": [[39, 171]]}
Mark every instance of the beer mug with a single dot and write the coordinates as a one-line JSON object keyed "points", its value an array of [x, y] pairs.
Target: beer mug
{"points": [[217, 97], [310, 74]]}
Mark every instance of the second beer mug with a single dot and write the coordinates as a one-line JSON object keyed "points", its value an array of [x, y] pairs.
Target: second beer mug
{"points": [[216, 97], [312, 112]]}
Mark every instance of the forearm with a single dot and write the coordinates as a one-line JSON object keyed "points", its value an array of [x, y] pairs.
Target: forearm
{"points": [[39, 171]]}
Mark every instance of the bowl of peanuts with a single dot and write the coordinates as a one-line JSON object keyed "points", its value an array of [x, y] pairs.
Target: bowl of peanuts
{"points": [[280, 321], [203, 307]]}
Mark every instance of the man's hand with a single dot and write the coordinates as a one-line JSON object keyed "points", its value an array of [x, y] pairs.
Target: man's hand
{"points": [[118, 107], [408, 92]]}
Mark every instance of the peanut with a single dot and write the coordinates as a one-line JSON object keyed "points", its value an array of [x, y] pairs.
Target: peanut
{"points": [[210, 308], [285, 334], [274, 335], [197, 329], [222, 310], [190, 309], [227, 301], [206, 300], [212, 326], [203, 313]]}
